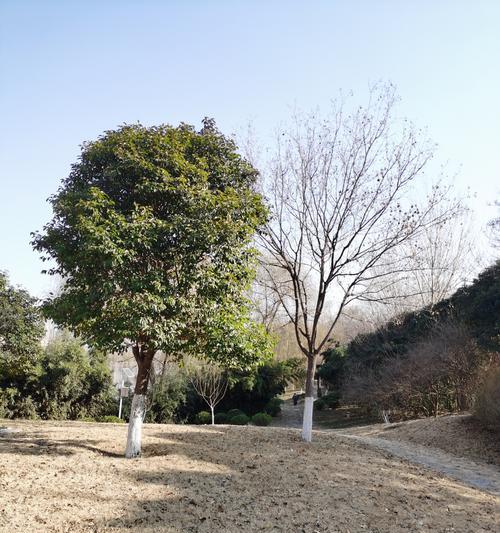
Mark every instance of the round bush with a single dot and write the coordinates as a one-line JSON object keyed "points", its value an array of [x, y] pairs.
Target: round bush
{"points": [[261, 419], [87, 419], [234, 412], [319, 404], [111, 419], [332, 399], [203, 417], [239, 420], [221, 418], [273, 407]]}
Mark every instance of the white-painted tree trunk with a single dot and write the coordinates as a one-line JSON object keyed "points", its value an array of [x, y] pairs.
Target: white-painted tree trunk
{"points": [[135, 426], [307, 420], [213, 415]]}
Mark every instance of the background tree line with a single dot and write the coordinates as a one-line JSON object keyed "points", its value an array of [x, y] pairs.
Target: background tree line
{"points": [[62, 379]]}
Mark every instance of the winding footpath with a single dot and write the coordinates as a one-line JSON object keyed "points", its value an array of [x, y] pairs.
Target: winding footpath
{"points": [[481, 476], [478, 475]]}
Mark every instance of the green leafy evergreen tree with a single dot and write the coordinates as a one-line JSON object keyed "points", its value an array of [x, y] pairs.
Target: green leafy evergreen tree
{"points": [[152, 234]]}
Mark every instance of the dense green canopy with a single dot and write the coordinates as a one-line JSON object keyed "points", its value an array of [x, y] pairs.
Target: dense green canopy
{"points": [[21, 329], [152, 234]]}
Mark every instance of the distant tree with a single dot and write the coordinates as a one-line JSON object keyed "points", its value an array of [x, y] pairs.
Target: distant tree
{"points": [[152, 234], [21, 331], [251, 391], [332, 367], [210, 383], [74, 382], [168, 392], [341, 195]]}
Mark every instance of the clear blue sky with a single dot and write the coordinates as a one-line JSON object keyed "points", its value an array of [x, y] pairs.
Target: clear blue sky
{"points": [[71, 69]]}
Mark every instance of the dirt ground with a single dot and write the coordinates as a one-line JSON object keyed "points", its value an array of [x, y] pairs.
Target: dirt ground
{"points": [[72, 477]]}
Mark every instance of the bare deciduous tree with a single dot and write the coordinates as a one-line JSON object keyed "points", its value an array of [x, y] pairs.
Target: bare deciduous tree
{"points": [[340, 191], [494, 227], [266, 304], [209, 382], [441, 259]]}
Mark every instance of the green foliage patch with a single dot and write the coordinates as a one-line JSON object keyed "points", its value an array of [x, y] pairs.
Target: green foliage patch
{"points": [[239, 420], [261, 419], [221, 418], [203, 417]]}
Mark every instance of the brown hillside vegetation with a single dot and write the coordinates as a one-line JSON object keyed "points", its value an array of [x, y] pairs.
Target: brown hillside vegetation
{"points": [[72, 477]]}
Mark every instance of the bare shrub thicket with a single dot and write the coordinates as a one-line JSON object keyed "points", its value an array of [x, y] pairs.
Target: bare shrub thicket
{"points": [[487, 404], [436, 375]]}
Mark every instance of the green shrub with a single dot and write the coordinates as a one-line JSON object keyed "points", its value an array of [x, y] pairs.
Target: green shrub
{"points": [[14, 405], [332, 399], [239, 420], [167, 395], [87, 419], [203, 417], [261, 419], [487, 404], [221, 418], [111, 419], [273, 407], [234, 412], [319, 404]]}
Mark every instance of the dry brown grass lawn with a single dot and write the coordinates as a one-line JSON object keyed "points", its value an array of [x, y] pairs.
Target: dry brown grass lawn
{"points": [[72, 477]]}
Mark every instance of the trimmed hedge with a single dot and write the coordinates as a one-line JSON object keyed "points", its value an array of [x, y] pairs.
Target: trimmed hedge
{"points": [[261, 419], [239, 420], [221, 418], [234, 412], [203, 417], [111, 419]]}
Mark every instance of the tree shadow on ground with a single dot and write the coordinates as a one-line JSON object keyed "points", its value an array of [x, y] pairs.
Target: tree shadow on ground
{"points": [[249, 479], [40, 444]]}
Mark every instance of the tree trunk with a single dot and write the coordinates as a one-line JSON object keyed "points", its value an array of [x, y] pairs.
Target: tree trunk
{"points": [[309, 400], [135, 426], [213, 415], [144, 358]]}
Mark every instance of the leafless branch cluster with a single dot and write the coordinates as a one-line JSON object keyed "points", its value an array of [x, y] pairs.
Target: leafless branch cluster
{"points": [[494, 228], [341, 192], [436, 263]]}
